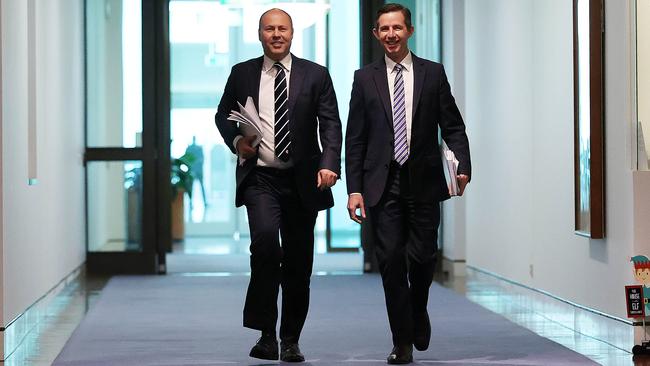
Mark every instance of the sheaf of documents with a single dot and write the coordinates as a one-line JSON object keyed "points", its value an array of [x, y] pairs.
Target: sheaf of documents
{"points": [[450, 164], [248, 121]]}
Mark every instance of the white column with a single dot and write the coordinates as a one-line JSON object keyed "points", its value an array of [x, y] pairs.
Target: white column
{"points": [[453, 57], [2, 319]]}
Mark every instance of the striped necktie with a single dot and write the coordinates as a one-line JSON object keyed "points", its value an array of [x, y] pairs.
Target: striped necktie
{"points": [[282, 140], [401, 151]]}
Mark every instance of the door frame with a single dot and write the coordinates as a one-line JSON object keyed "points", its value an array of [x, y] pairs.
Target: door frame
{"points": [[154, 152]]}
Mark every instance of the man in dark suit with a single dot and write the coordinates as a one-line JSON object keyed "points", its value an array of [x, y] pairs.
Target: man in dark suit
{"points": [[284, 181], [394, 169]]}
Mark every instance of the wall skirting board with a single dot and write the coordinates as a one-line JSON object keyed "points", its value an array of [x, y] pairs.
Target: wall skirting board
{"points": [[16, 331], [612, 330]]}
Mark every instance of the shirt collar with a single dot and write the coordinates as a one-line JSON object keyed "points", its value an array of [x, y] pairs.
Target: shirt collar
{"points": [[268, 63], [407, 63]]}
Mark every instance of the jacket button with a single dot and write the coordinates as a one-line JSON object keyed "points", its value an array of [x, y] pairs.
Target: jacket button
{"points": [[385, 166]]}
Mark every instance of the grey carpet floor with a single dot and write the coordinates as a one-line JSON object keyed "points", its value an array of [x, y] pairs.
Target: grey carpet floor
{"points": [[196, 320]]}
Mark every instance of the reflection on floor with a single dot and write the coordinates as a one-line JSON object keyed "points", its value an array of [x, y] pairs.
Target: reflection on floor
{"points": [[62, 315], [205, 255], [604, 340], [335, 263], [239, 244], [66, 310], [212, 245]]}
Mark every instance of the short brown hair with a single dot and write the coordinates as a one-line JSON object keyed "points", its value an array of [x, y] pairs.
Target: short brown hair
{"points": [[391, 7]]}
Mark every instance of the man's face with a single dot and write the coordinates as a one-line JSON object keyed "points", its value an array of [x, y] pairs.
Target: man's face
{"points": [[276, 33], [393, 34]]}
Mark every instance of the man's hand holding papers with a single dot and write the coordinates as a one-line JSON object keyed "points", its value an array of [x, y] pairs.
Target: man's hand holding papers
{"points": [[245, 147], [249, 124], [462, 180], [456, 182]]}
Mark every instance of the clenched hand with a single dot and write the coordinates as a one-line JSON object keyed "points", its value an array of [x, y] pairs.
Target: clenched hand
{"points": [[325, 179]]}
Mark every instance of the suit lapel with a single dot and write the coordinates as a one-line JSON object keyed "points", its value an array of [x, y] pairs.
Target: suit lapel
{"points": [[296, 77], [381, 83], [255, 74], [254, 81], [418, 81]]}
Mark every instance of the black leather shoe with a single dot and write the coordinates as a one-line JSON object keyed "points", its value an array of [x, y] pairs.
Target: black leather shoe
{"points": [[421, 331], [401, 355], [291, 353], [266, 348]]}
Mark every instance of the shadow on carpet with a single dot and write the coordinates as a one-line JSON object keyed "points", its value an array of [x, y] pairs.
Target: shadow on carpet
{"points": [[179, 320]]}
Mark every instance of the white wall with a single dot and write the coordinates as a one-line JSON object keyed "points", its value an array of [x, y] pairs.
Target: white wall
{"points": [[43, 224], [519, 111], [1, 194], [643, 67], [454, 238]]}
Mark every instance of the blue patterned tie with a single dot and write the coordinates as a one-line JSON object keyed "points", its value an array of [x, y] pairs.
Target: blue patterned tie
{"points": [[282, 140], [399, 118]]}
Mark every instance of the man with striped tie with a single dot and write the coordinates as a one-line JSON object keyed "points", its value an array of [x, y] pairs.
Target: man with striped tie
{"points": [[284, 181], [394, 171]]}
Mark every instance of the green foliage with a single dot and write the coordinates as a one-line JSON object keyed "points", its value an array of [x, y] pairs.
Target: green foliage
{"points": [[182, 176]]}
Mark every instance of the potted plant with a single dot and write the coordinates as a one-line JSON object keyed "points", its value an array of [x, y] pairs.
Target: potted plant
{"points": [[133, 185], [182, 180]]}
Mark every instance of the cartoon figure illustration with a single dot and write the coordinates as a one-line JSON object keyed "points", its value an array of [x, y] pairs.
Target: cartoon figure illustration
{"points": [[642, 276]]}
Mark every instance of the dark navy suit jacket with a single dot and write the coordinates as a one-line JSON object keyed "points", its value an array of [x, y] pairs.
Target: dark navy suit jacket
{"points": [[369, 137], [312, 110]]}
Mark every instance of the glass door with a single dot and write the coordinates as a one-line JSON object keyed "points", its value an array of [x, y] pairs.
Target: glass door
{"points": [[206, 39], [126, 182]]}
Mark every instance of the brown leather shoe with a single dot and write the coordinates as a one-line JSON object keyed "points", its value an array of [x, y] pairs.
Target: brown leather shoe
{"points": [[401, 355]]}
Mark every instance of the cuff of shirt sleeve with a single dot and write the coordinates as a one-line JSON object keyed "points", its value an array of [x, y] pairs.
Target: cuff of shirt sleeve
{"points": [[234, 142]]}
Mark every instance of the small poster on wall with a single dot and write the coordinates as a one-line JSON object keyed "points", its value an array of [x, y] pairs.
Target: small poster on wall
{"points": [[635, 301]]}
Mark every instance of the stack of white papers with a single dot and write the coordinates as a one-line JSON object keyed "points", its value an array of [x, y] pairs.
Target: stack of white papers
{"points": [[248, 121], [450, 164]]}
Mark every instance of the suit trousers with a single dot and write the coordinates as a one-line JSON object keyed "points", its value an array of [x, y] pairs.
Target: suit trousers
{"points": [[406, 247], [274, 207]]}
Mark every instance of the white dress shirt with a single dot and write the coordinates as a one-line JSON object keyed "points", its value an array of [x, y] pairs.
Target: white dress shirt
{"points": [[266, 151], [407, 76]]}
